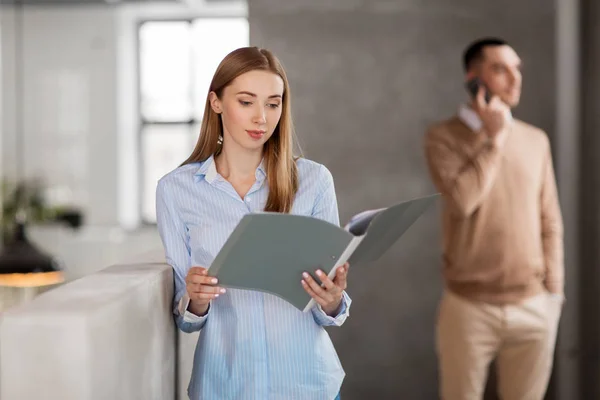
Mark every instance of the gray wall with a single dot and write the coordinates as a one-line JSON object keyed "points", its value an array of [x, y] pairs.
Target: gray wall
{"points": [[367, 78]]}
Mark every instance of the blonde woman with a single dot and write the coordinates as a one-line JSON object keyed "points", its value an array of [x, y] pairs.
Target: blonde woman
{"points": [[252, 345]]}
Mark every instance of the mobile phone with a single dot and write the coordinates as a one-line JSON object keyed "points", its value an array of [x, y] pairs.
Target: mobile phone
{"points": [[473, 86]]}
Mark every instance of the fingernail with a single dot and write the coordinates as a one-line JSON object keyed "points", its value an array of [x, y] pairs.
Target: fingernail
{"points": [[304, 274], [222, 291], [319, 272], [303, 283], [214, 280], [216, 295]]}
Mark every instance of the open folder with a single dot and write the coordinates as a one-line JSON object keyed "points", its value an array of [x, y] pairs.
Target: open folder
{"points": [[270, 251]]}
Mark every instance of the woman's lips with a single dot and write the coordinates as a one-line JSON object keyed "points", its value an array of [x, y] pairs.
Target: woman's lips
{"points": [[255, 134]]}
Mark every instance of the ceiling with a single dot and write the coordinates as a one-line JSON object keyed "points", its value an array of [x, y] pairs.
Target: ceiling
{"points": [[78, 2], [97, 2]]}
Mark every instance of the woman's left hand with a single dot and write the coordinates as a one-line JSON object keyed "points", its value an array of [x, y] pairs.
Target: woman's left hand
{"points": [[329, 294]]}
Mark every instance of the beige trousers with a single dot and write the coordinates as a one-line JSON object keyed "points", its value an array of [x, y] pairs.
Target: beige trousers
{"points": [[520, 337]]}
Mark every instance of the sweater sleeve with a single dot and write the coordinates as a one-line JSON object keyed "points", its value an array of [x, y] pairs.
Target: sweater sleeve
{"points": [[552, 228], [464, 181]]}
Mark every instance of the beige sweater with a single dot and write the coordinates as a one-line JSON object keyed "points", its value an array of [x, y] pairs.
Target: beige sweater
{"points": [[502, 226]]}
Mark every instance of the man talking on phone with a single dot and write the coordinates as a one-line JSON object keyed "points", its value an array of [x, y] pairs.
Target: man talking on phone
{"points": [[502, 236]]}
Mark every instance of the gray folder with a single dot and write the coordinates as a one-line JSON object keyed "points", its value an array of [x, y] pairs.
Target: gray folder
{"points": [[269, 251]]}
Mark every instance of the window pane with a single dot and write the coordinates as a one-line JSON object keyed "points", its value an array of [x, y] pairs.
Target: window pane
{"points": [[165, 69], [209, 49], [164, 148]]}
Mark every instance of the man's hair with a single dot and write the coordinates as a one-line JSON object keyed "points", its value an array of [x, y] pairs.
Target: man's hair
{"points": [[474, 52]]}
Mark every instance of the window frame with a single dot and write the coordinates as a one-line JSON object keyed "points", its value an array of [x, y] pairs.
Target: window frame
{"points": [[143, 122]]}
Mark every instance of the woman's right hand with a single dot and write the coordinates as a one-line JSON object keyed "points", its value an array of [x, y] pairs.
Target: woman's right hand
{"points": [[201, 290]]}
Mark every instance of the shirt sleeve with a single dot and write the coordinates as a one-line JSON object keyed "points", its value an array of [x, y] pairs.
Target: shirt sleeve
{"points": [[323, 319], [174, 237], [326, 208]]}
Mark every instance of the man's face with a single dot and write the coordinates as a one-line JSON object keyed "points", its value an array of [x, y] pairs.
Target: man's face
{"points": [[500, 71]]}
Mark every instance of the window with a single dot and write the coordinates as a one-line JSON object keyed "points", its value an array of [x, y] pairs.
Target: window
{"points": [[177, 62]]}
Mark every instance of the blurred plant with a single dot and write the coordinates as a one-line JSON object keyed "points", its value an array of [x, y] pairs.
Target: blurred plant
{"points": [[28, 197]]}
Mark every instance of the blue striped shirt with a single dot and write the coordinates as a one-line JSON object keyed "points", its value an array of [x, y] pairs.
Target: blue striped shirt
{"points": [[252, 345]]}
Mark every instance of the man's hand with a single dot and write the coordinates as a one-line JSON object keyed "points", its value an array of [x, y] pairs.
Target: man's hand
{"points": [[494, 115], [329, 294]]}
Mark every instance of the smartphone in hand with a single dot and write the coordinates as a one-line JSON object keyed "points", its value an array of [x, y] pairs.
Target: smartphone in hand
{"points": [[473, 86]]}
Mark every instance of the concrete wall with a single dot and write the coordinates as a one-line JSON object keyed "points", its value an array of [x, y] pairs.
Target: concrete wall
{"points": [[109, 335], [567, 147], [367, 78]]}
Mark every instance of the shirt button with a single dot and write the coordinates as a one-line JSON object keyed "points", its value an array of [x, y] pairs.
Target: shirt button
{"points": [[248, 199]]}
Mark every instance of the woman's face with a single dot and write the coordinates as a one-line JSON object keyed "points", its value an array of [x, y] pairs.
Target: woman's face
{"points": [[250, 109]]}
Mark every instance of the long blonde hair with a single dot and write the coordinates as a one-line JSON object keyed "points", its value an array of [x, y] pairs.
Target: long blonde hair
{"points": [[282, 173]]}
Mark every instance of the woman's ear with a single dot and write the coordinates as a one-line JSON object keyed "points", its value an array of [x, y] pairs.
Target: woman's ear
{"points": [[215, 103]]}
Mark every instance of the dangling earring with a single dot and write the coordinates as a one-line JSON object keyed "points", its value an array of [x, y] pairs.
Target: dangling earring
{"points": [[220, 140]]}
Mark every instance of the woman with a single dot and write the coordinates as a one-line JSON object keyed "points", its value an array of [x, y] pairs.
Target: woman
{"points": [[252, 345]]}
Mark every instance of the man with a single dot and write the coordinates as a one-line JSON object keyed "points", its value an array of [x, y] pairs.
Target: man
{"points": [[502, 237]]}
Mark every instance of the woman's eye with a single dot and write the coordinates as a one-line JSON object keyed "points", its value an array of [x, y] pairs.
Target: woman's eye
{"points": [[273, 105], [245, 103]]}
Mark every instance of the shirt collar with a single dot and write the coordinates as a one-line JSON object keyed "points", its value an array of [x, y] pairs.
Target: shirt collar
{"points": [[261, 173], [471, 118], [208, 169]]}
